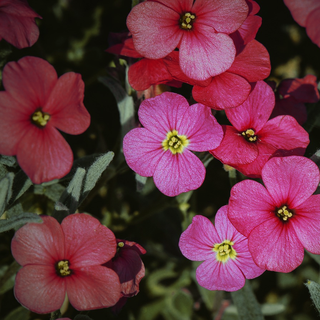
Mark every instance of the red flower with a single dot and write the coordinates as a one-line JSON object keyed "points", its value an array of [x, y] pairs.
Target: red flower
{"points": [[35, 104], [130, 269], [17, 24], [65, 259]]}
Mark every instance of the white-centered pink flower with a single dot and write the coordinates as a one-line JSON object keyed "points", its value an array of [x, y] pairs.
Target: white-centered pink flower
{"points": [[162, 148], [227, 260]]}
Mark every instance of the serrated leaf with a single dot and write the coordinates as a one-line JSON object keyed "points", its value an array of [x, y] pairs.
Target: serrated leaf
{"points": [[20, 313], [246, 303], [19, 220], [314, 290]]}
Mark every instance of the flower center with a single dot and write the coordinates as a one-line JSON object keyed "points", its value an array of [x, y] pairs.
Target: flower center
{"points": [[225, 251], [249, 135], [62, 268], [40, 118], [174, 142], [284, 213], [186, 20]]}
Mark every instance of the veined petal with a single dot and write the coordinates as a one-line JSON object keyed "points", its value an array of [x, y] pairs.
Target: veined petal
{"points": [[39, 243], [197, 241], [142, 151], [290, 180], [87, 241], [179, 173], [39, 289], [275, 246], [249, 28]]}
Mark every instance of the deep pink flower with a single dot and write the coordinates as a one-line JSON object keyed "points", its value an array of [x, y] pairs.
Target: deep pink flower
{"points": [[162, 148], [252, 139], [17, 23], [291, 96], [227, 260], [306, 13], [199, 29], [33, 106], [65, 259], [282, 218], [130, 269]]}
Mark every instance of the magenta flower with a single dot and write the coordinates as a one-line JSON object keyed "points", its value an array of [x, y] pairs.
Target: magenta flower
{"points": [[252, 139], [33, 106], [17, 23], [306, 13], [162, 148], [282, 218], [227, 260], [65, 259], [199, 29]]}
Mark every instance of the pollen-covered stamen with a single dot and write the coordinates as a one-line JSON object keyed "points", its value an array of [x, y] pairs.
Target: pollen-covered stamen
{"points": [[62, 268], [284, 213], [249, 135], [40, 118], [175, 142], [225, 251], [186, 20]]}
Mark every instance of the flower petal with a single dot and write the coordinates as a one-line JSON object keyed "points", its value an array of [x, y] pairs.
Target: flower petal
{"points": [[39, 289], [290, 180], [275, 246], [39, 243], [179, 173], [65, 105], [197, 241], [300, 10], [93, 287], [312, 26], [87, 241]]}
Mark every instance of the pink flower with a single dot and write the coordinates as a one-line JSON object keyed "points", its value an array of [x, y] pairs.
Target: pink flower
{"points": [[306, 13], [65, 259], [17, 23], [199, 29], [227, 260], [252, 139], [291, 96], [130, 269], [35, 104], [282, 218], [162, 148]]}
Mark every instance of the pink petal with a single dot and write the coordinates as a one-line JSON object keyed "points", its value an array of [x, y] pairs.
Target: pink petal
{"points": [[163, 37], [226, 90], [306, 223], [39, 289], [234, 149], [65, 105], [275, 246], [215, 275], [44, 155], [313, 27], [253, 63], [204, 53], [224, 16], [255, 111], [197, 241], [39, 243], [301, 9], [29, 81], [249, 28], [249, 206], [143, 151], [87, 241], [93, 287], [177, 5], [290, 180], [179, 173]]}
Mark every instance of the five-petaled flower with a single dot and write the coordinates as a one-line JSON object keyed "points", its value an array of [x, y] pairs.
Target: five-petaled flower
{"points": [[227, 260], [33, 106], [65, 259], [17, 23], [282, 218], [162, 148], [200, 29]]}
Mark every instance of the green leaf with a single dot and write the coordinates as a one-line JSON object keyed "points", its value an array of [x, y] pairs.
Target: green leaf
{"points": [[18, 221], [5, 191], [9, 283], [20, 313], [314, 290]]}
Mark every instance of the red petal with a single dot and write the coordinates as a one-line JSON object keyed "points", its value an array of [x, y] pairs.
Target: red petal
{"points": [[313, 26], [301, 9]]}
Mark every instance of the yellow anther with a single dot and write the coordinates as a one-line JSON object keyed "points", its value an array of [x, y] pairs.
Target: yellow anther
{"points": [[175, 142], [121, 244], [63, 268], [224, 251], [186, 21], [40, 118], [284, 213], [249, 135]]}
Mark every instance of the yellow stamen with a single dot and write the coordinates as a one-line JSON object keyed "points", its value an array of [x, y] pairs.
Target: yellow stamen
{"points": [[175, 142], [284, 213], [40, 118], [224, 251], [63, 268], [186, 21], [121, 244], [249, 135]]}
